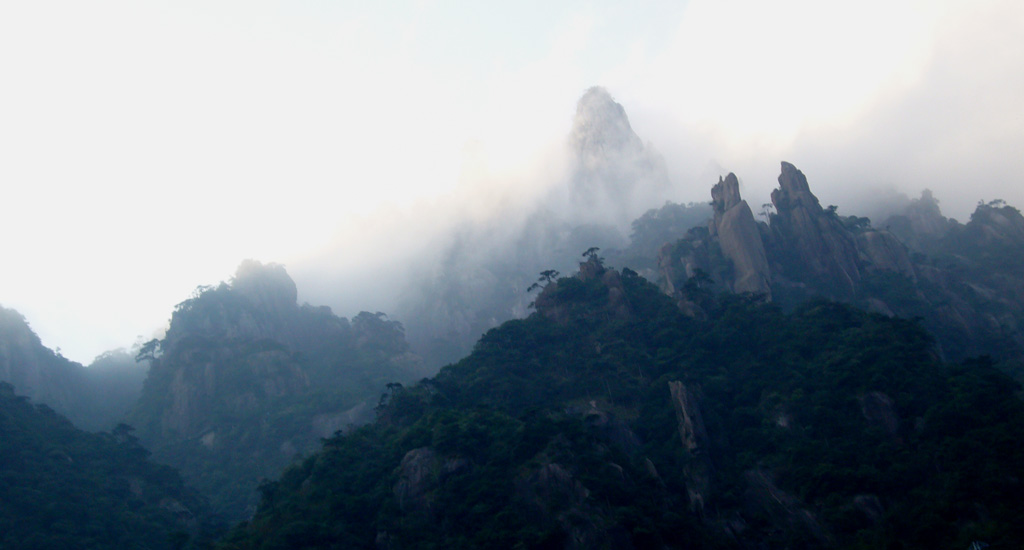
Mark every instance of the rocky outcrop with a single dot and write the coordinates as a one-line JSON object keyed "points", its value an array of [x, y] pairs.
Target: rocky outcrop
{"points": [[995, 224], [559, 302], [730, 250], [697, 472], [739, 238], [811, 242], [921, 226], [880, 410], [199, 392], [267, 286], [421, 472], [882, 251], [970, 290], [765, 497]]}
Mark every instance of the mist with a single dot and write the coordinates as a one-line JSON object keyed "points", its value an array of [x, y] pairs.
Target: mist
{"points": [[371, 151]]}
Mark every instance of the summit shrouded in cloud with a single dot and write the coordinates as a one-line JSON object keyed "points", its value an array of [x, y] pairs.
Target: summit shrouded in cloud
{"points": [[332, 138], [614, 172]]}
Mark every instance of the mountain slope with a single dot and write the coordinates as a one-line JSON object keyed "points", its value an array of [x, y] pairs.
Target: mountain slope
{"points": [[94, 398], [245, 380], [608, 419], [479, 278], [61, 487]]}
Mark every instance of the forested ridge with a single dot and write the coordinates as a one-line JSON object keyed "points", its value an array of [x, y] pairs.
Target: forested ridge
{"points": [[609, 419]]}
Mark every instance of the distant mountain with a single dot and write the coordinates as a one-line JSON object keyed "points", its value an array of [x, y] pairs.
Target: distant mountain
{"points": [[610, 418], [245, 380], [94, 398], [61, 487], [480, 279], [615, 176]]}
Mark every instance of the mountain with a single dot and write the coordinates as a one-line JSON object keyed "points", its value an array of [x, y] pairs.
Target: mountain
{"points": [[965, 281], [94, 398], [611, 419], [615, 176], [245, 380], [479, 279], [61, 487]]}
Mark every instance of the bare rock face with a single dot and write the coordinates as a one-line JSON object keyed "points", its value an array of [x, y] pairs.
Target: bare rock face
{"points": [[200, 387], [730, 249], [416, 476], [784, 509], [694, 436], [815, 240], [739, 238], [880, 410], [881, 250]]}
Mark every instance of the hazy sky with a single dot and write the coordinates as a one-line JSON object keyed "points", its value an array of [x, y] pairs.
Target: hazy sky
{"points": [[148, 147]]}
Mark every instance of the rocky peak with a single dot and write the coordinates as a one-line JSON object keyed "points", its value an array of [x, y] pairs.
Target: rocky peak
{"points": [[268, 286], [601, 127], [614, 174], [811, 242], [725, 194], [732, 235], [997, 223], [921, 225], [794, 191], [739, 238]]}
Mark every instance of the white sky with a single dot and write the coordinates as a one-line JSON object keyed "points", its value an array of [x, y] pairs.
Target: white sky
{"points": [[148, 147]]}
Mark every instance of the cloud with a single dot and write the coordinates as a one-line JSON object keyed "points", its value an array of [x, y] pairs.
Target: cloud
{"points": [[146, 148]]}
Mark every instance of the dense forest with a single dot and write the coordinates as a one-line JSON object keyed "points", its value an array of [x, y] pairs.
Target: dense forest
{"points": [[61, 487], [610, 419]]}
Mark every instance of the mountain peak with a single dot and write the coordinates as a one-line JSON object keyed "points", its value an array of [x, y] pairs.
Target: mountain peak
{"points": [[601, 126], [614, 173], [265, 284]]}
